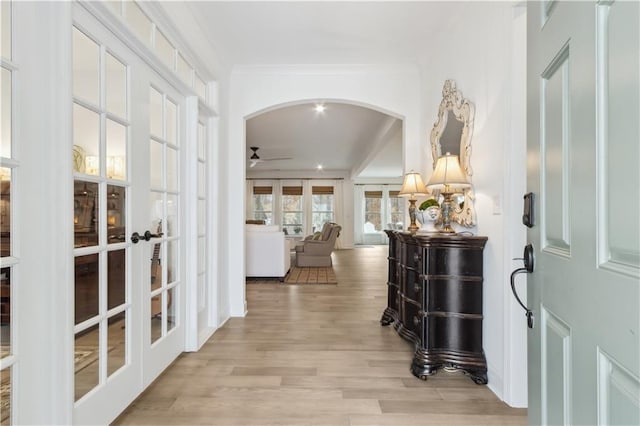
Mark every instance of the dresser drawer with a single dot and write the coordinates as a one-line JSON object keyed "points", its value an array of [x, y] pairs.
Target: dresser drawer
{"points": [[412, 319], [413, 257], [448, 261], [453, 333], [412, 287], [456, 295]]}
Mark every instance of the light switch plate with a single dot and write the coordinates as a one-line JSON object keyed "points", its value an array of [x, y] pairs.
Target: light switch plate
{"points": [[497, 204]]}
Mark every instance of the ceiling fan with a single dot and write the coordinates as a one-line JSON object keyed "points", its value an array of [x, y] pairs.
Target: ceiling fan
{"points": [[255, 159]]}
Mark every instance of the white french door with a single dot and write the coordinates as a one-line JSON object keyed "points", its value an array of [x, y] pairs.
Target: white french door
{"points": [[127, 134], [107, 343], [206, 297], [160, 149]]}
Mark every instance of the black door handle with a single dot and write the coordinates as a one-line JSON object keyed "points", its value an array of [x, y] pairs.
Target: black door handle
{"points": [[528, 268], [148, 235], [528, 312], [135, 237]]}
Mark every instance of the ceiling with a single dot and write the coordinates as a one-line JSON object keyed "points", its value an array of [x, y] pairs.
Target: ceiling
{"points": [[340, 138], [326, 32]]}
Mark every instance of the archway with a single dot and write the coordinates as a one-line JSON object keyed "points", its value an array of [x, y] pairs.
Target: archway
{"points": [[391, 90]]}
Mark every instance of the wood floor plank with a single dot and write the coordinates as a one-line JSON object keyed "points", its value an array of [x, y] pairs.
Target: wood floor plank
{"points": [[276, 392], [435, 420], [343, 382], [427, 394], [272, 408], [273, 371], [314, 355], [446, 407], [247, 419]]}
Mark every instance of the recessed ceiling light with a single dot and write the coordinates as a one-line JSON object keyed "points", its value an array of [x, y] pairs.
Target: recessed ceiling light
{"points": [[319, 167], [320, 108]]}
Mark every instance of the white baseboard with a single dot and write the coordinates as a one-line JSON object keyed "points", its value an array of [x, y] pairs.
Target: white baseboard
{"points": [[205, 335], [496, 384]]}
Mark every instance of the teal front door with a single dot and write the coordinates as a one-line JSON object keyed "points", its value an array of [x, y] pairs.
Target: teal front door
{"points": [[583, 159]]}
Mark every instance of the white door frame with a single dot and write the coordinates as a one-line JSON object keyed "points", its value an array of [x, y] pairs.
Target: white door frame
{"points": [[44, 321]]}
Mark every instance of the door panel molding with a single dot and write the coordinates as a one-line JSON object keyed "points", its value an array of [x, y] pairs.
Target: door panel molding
{"points": [[556, 369], [618, 228], [554, 145], [547, 10], [618, 392]]}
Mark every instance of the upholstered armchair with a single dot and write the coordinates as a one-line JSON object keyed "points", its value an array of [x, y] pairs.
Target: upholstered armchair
{"points": [[317, 252]]}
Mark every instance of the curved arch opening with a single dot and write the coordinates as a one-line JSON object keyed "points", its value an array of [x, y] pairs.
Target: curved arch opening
{"points": [[340, 137]]}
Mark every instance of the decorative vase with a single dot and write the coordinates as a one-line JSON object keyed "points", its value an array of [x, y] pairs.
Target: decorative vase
{"points": [[428, 218]]}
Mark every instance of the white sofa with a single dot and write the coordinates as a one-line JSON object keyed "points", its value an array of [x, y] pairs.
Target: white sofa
{"points": [[267, 252]]}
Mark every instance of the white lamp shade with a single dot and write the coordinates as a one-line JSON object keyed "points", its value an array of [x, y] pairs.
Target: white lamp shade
{"points": [[412, 185], [448, 173]]}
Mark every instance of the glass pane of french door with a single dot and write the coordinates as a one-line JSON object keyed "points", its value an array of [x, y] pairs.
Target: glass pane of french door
{"points": [[101, 131], [164, 199], [202, 225]]}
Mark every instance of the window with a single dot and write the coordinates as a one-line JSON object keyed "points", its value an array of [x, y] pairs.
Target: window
{"points": [[292, 210], [395, 210], [138, 21], [151, 34], [164, 49], [184, 70], [322, 206], [263, 204], [372, 211]]}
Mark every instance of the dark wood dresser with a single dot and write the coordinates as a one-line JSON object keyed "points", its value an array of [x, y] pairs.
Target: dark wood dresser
{"points": [[435, 300]]}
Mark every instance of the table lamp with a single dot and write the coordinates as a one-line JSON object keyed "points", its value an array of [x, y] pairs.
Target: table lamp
{"points": [[411, 187], [448, 177]]}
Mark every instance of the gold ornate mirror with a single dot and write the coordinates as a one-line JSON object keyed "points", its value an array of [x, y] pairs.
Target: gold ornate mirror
{"points": [[452, 133]]}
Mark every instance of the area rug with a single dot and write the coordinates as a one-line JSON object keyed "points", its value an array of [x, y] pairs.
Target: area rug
{"points": [[311, 275], [84, 356]]}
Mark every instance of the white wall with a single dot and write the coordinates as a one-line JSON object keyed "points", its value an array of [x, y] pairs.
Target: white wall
{"points": [[390, 89], [487, 58]]}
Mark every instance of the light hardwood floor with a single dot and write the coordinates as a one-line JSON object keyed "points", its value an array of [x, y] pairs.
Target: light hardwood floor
{"points": [[314, 355]]}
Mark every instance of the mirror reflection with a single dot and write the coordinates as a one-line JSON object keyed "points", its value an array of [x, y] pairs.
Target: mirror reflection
{"points": [[451, 133]]}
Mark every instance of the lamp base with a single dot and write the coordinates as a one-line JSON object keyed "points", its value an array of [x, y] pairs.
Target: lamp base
{"points": [[413, 227], [448, 230], [446, 213]]}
